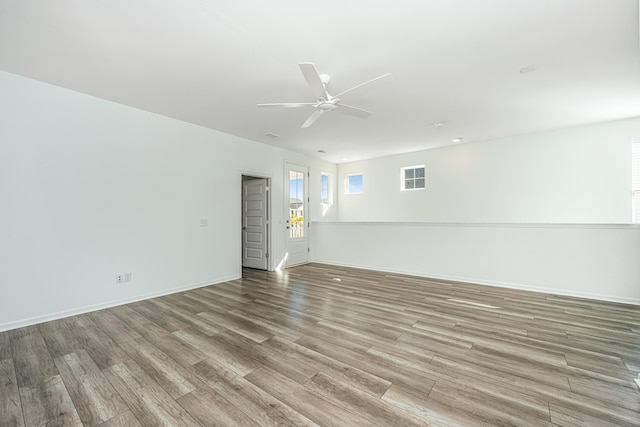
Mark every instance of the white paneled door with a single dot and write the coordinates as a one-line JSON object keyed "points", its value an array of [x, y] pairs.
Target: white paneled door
{"points": [[255, 223], [297, 221]]}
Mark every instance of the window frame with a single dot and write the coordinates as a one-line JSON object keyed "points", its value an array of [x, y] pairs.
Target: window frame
{"points": [[635, 181], [346, 183], [403, 180], [329, 199]]}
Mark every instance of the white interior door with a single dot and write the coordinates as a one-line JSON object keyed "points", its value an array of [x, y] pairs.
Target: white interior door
{"points": [[296, 177], [255, 223]]}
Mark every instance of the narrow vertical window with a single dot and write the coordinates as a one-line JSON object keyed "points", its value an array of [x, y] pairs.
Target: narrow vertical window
{"points": [[412, 178], [353, 184], [325, 189], [635, 182]]}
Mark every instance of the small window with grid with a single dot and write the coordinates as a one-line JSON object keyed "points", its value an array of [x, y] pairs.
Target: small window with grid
{"points": [[353, 183], [412, 178]]}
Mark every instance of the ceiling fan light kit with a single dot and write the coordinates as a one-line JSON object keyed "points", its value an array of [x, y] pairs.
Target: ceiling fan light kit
{"points": [[326, 106], [324, 101]]}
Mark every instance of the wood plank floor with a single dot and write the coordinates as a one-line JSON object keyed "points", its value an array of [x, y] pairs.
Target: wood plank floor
{"points": [[329, 346]]}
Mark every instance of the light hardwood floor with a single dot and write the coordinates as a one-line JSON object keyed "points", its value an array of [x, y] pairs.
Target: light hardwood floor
{"points": [[330, 346]]}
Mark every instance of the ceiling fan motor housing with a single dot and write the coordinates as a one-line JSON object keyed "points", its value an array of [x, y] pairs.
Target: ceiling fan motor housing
{"points": [[327, 105]]}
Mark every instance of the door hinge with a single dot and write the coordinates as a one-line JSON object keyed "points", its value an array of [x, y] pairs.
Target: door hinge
{"points": [[266, 255], [267, 222], [308, 249], [266, 188]]}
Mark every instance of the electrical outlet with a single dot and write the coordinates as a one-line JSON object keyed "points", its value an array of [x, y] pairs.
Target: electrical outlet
{"points": [[127, 277], [119, 278]]}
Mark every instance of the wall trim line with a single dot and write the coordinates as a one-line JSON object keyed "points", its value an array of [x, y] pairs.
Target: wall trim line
{"points": [[472, 281], [114, 303], [479, 224]]}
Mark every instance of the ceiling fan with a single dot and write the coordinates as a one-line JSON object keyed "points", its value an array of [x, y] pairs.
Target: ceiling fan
{"points": [[324, 101]]}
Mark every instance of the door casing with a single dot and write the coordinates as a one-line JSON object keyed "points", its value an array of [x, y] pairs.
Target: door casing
{"points": [[266, 230], [297, 249]]}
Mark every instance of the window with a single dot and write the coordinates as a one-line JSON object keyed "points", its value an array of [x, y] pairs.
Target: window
{"points": [[296, 204], [412, 178], [353, 184], [326, 198], [635, 182]]}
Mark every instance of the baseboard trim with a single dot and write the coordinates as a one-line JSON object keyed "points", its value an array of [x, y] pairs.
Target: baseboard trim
{"points": [[517, 286], [88, 309]]}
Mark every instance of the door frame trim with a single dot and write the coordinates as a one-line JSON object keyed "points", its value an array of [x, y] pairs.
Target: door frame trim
{"points": [[286, 201], [269, 178]]}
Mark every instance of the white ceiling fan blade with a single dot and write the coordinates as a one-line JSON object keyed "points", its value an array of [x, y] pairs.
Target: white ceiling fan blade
{"points": [[362, 84], [288, 104], [353, 111], [313, 80], [312, 118]]}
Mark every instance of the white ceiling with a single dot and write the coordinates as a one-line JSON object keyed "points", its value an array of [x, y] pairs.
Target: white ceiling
{"points": [[455, 61]]}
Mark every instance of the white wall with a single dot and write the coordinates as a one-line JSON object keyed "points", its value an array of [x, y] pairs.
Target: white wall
{"points": [[89, 189], [591, 261], [513, 212], [575, 175]]}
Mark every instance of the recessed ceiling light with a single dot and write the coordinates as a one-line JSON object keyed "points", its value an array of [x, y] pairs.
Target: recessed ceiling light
{"points": [[322, 151], [271, 135], [343, 158], [438, 124], [456, 140]]}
